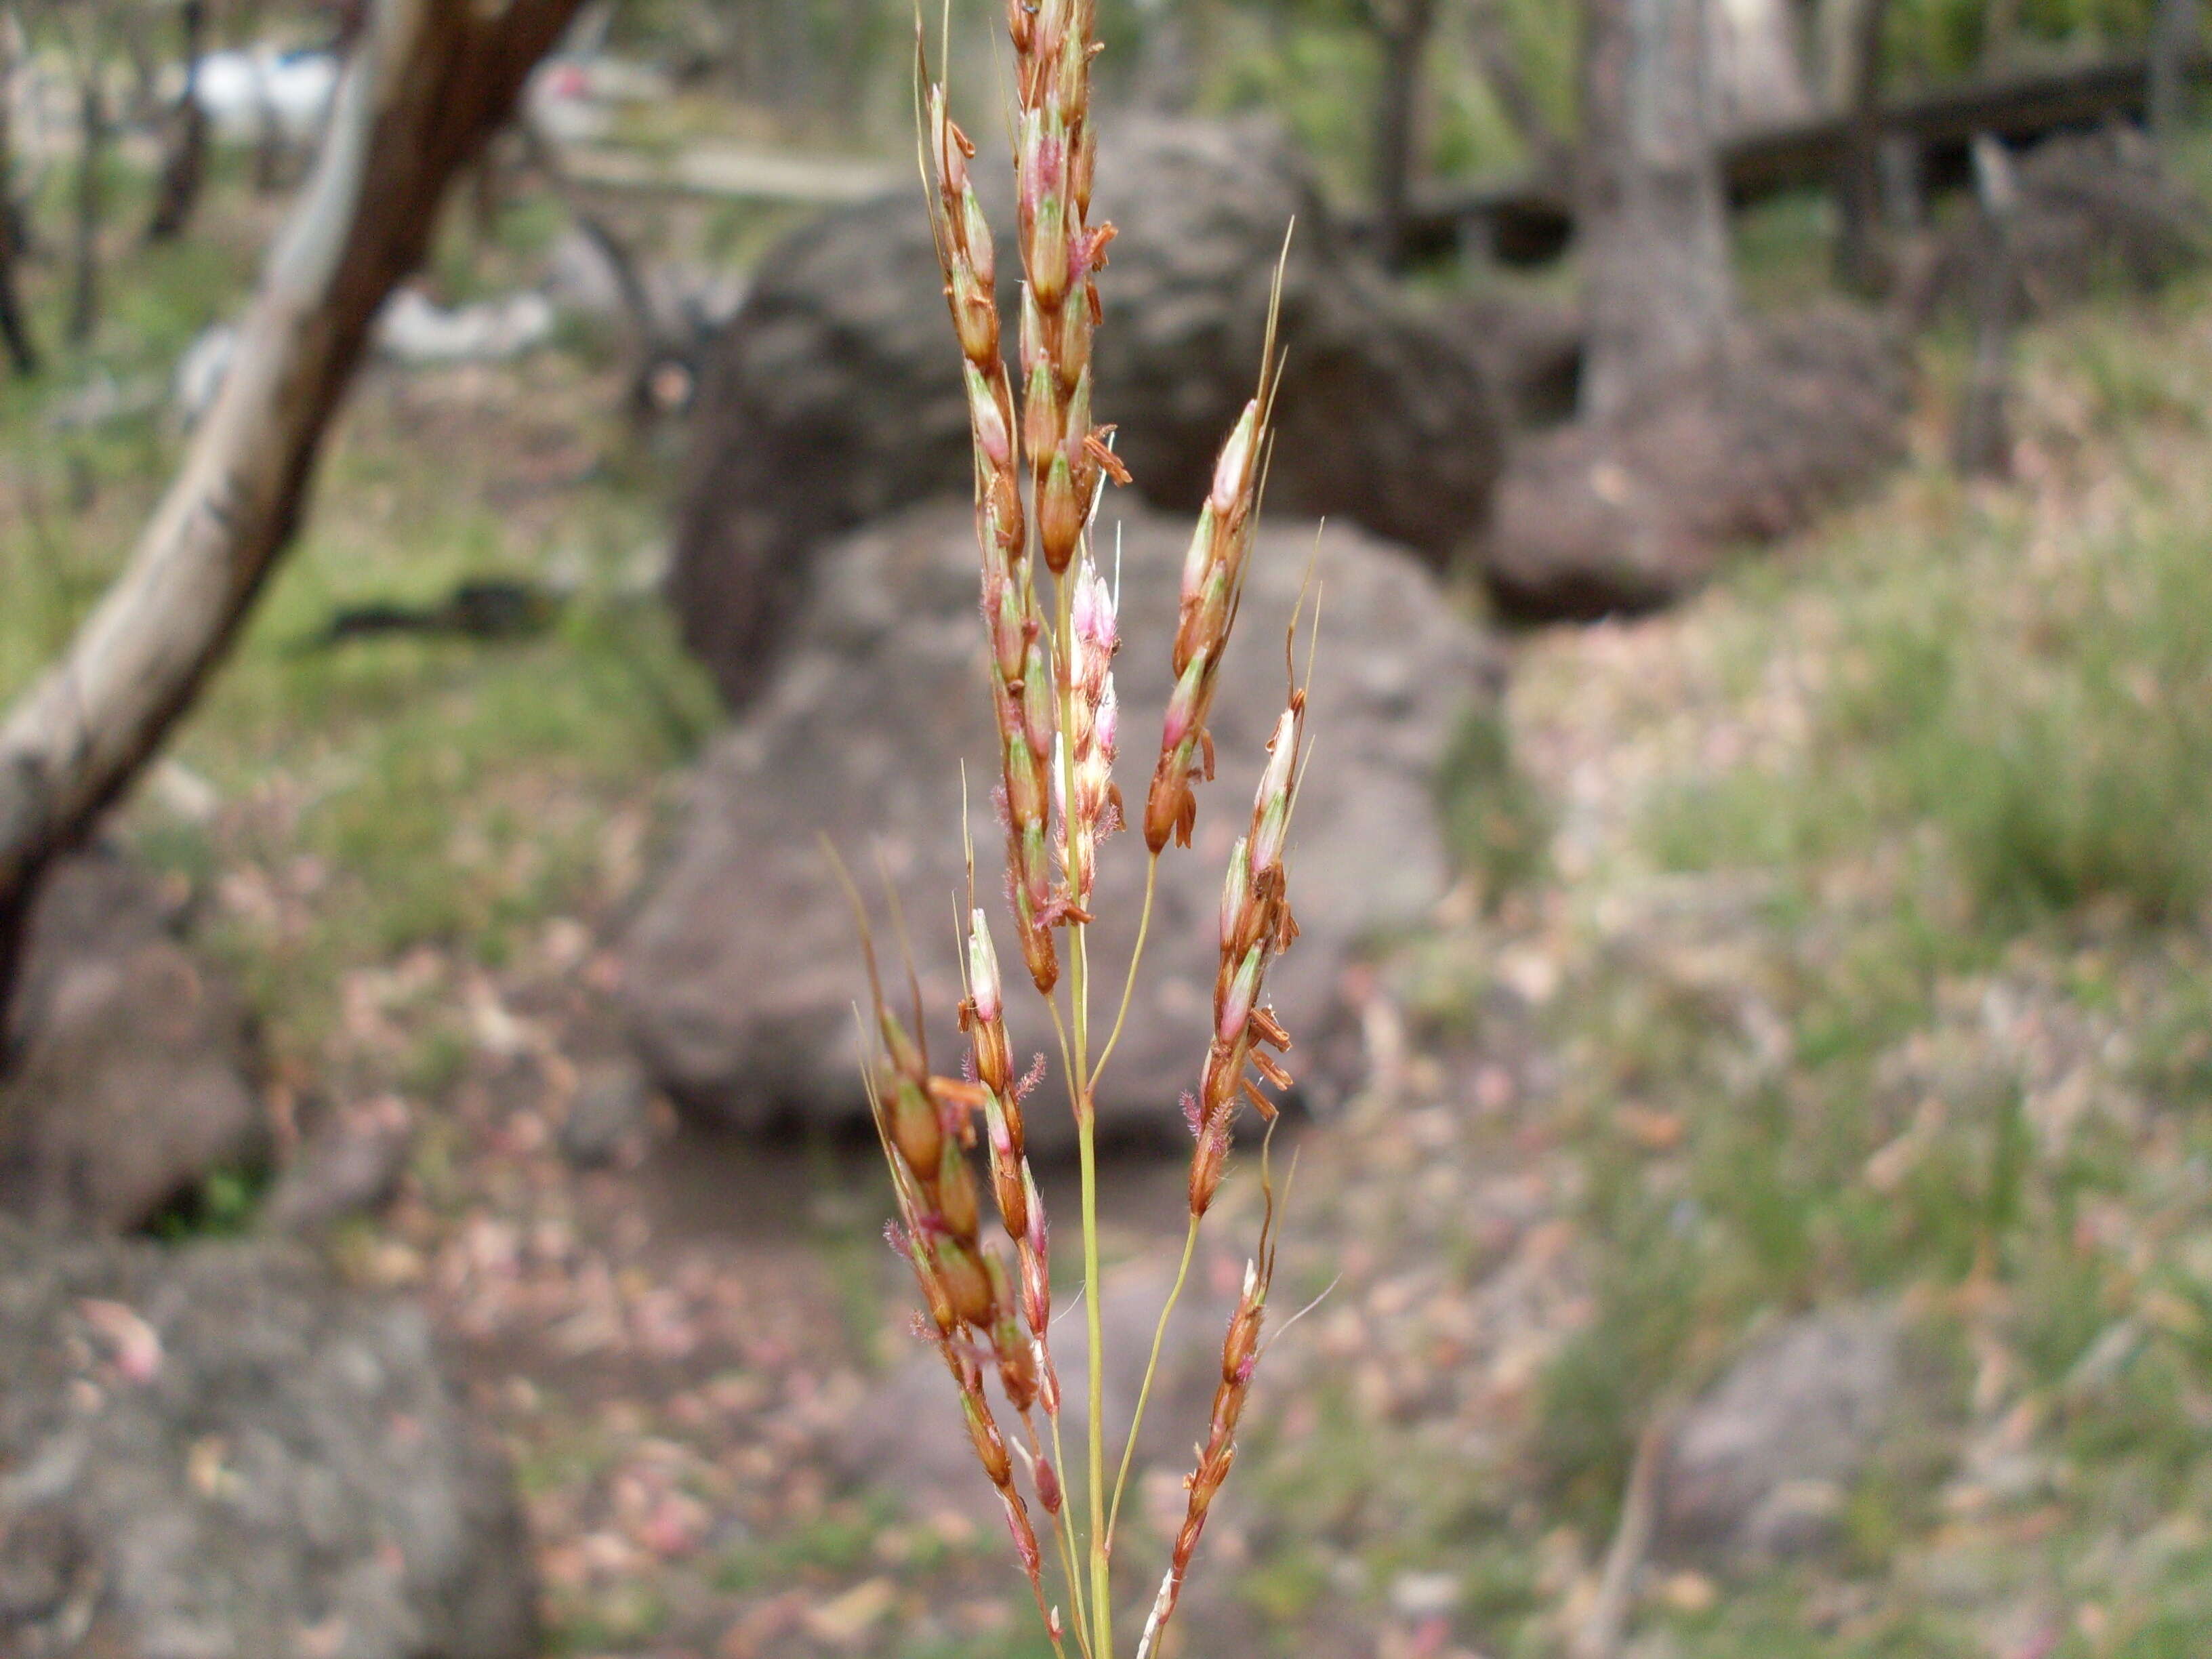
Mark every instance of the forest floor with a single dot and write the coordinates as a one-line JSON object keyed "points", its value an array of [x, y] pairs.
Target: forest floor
{"points": [[1835, 936]]}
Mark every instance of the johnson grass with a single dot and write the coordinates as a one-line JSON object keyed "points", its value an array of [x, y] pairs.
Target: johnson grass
{"points": [[1050, 620]]}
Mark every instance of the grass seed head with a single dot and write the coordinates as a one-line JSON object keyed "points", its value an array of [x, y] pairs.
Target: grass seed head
{"points": [[917, 1133], [1212, 589], [967, 1286], [1240, 1355], [957, 1201], [1054, 151], [1256, 926], [1017, 1362], [1021, 697], [1054, 702]]}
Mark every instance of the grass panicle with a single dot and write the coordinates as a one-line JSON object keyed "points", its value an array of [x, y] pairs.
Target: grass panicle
{"points": [[1057, 719]]}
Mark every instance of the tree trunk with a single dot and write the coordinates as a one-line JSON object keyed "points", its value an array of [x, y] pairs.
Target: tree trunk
{"points": [[1756, 75], [92, 128], [1984, 446], [1862, 264], [2000, 32], [268, 139], [2174, 31], [1651, 220], [427, 85], [1502, 72], [1404, 30], [649, 342], [184, 160], [15, 326]]}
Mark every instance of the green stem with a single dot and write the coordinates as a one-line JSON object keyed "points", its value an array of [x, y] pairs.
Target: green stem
{"points": [[1129, 984], [1079, 1604], [1151, 1369], [1102, 1610]]}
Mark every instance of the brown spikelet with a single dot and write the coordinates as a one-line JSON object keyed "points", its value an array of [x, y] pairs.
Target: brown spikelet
{"points": [[991, 1450], [1021, 695], [1055, 153], [1255, 927], [1212, 589]]}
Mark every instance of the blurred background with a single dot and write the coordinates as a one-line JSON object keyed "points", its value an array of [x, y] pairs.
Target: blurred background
{"points": [[1754, 1018]]}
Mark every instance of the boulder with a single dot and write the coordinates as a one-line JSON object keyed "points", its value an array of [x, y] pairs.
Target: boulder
{"points": [[2092, 208], [127, 1082], [221, 1451], [1804, 412], [1761, 1468], [1529, 349], [608, 1115], [350, 1163], [741, 970], [834, 395]]}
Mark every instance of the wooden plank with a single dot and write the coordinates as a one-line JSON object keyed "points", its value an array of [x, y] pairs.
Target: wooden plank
{"points": [[1529, 219], [732, 174]]}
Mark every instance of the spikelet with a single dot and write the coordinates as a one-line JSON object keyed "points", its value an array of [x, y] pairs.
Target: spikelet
{"points": [[1055, 149], [1092, 735], [991, 1451], [1021, 683], [1256, 926], [1212, 586], [1022, 1333], [926, 1124]]}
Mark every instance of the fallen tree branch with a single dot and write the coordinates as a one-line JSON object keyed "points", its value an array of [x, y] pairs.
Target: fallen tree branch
{"points": [[429, 82], [1529, 218]]}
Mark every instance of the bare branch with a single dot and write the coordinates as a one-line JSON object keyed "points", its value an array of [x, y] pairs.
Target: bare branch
{"points": [[428, 83]]}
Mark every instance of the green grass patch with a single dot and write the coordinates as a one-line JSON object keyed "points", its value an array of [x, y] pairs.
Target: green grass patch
{"points": [[1978, 855], [1496, 825], [222, 1207], [388, 793]]}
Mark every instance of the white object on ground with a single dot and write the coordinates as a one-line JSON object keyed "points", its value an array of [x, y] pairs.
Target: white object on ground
{"points": [[182, 791], [688, 301], [411, 330], [237, 91]]}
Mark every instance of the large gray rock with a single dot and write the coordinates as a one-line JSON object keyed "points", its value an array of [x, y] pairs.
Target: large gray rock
{"points": [[1761, 1468], [834, 395], [742, 969], [220, 1453], [128, 1079], [1803, 412], [2094, 209]]}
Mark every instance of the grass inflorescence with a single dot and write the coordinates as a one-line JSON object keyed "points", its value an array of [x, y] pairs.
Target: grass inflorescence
{"points": [[1051, 622]]}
